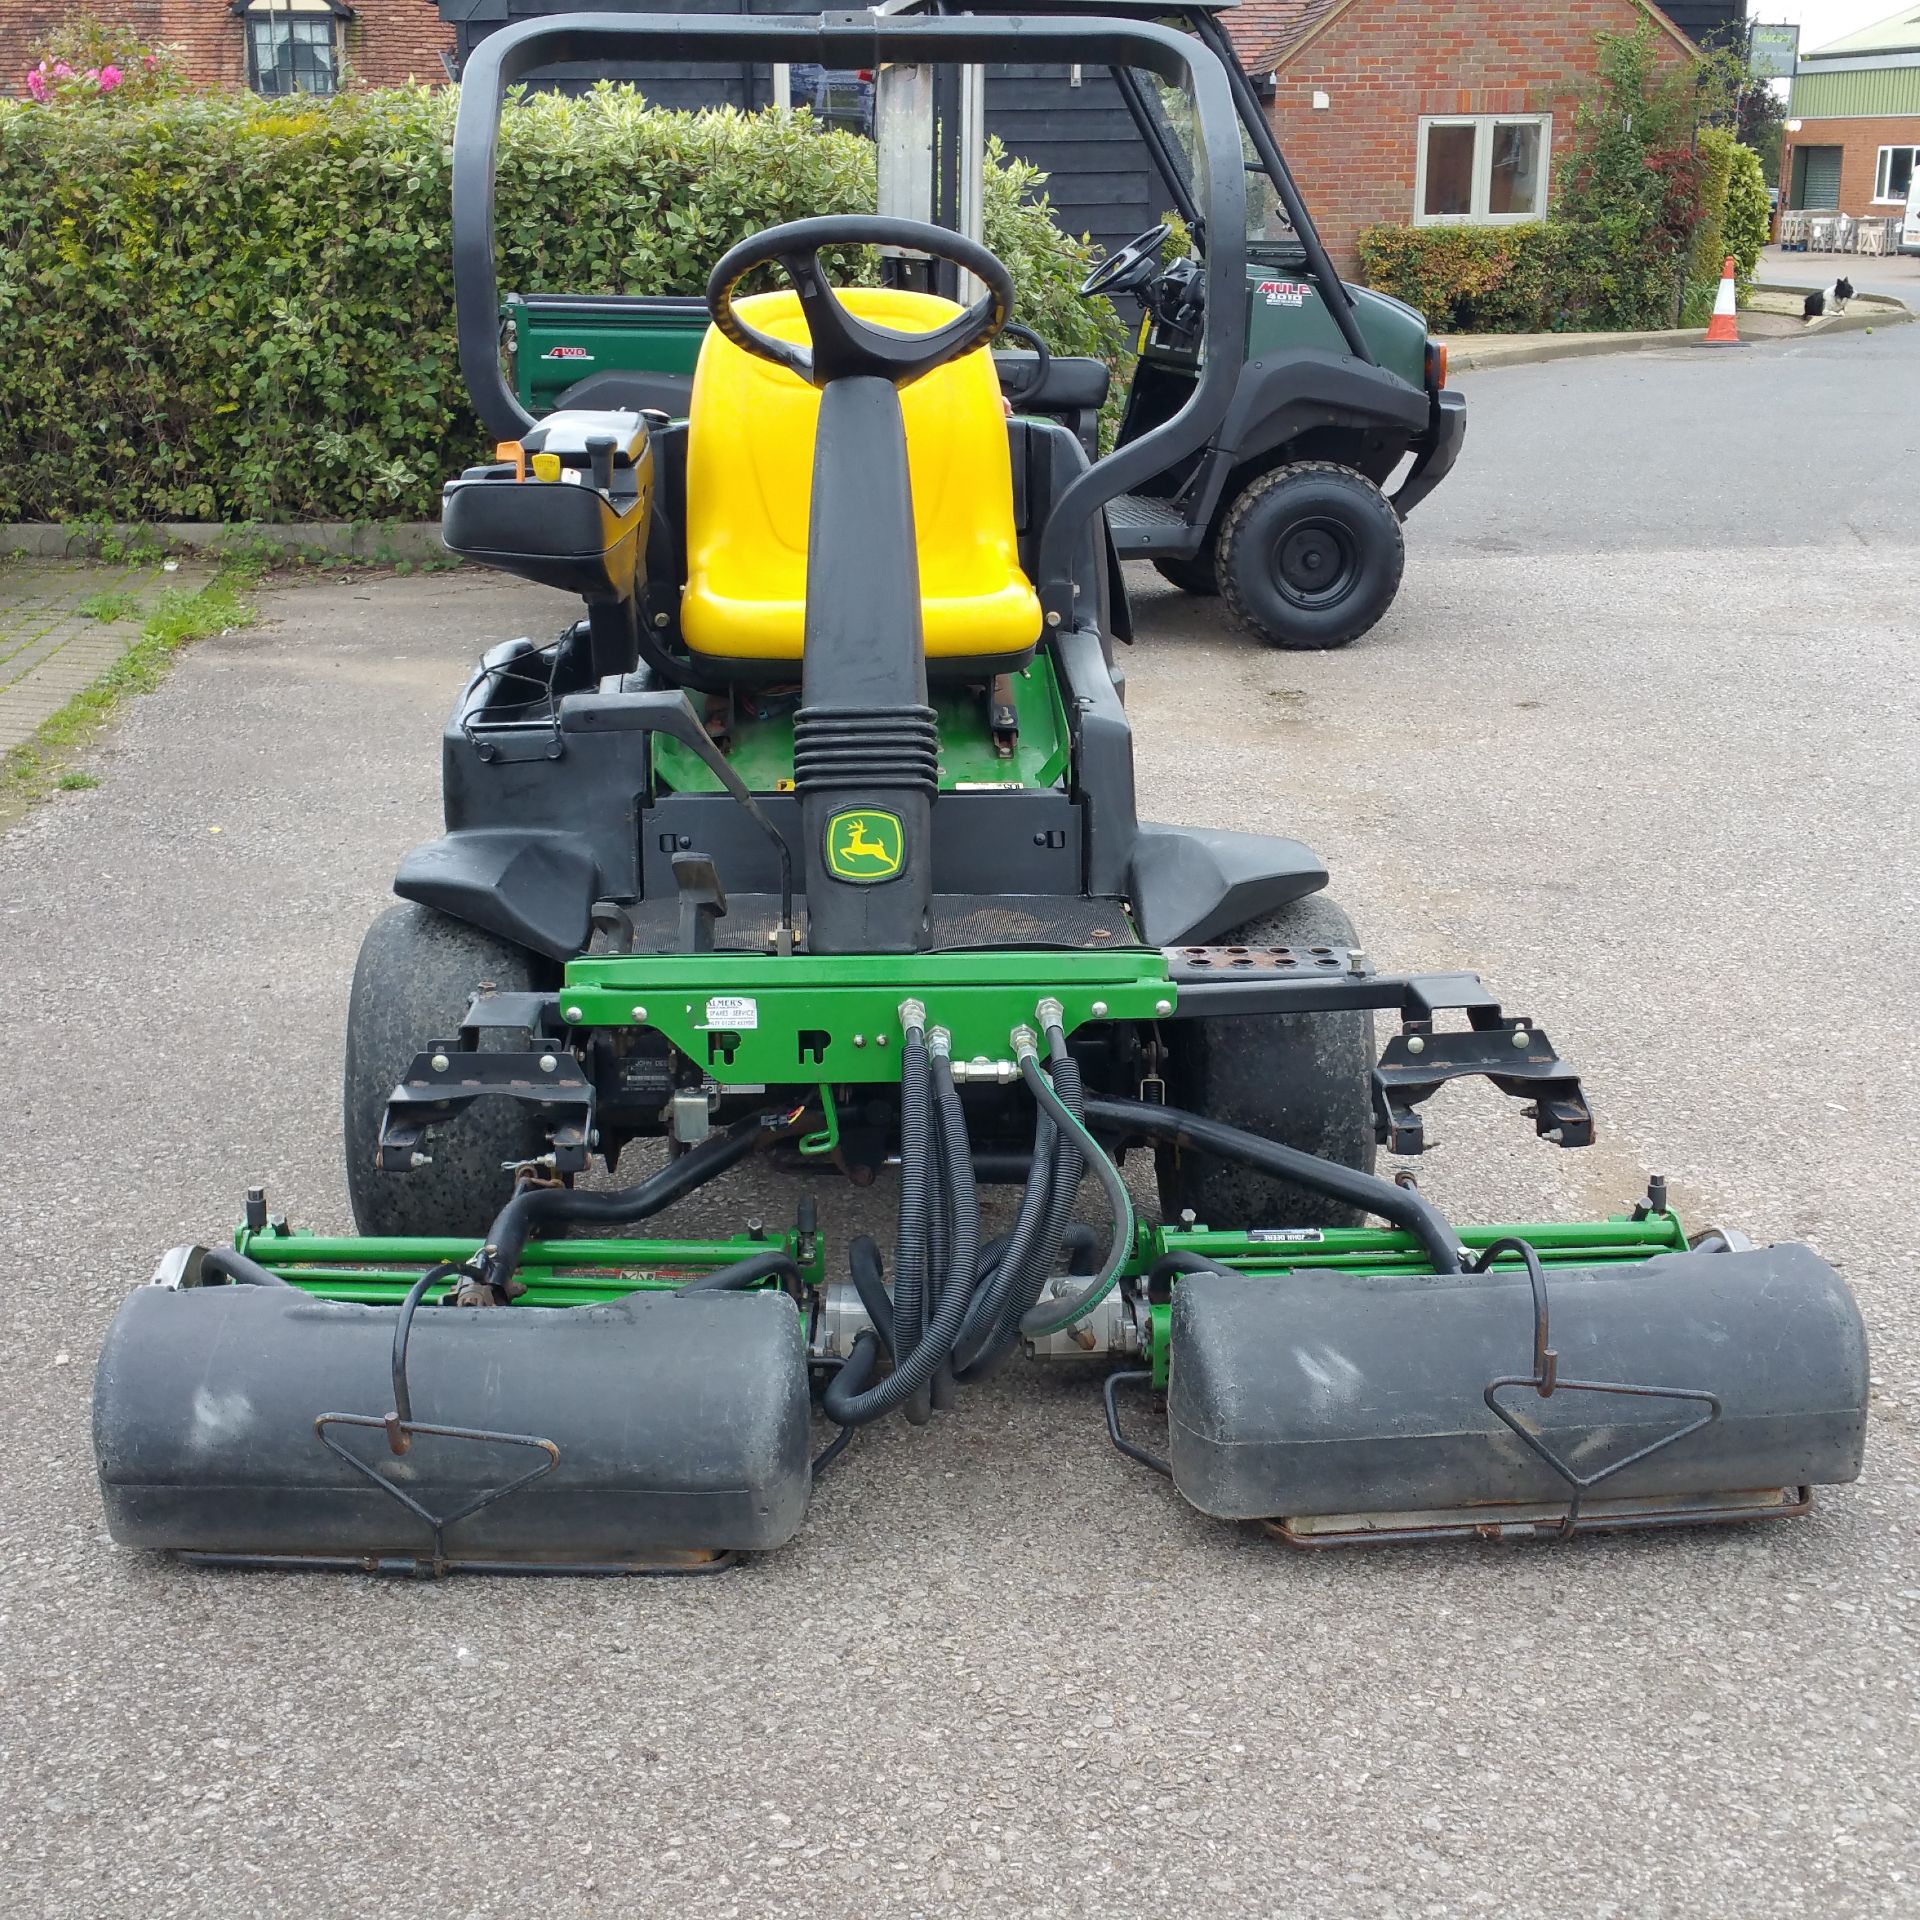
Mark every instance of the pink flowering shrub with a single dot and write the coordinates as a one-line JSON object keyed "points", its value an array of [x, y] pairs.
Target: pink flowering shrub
{"points": [[88, 61]]}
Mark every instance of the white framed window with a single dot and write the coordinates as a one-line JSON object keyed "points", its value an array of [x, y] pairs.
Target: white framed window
{"points": [[293, 46], [1893, 174], [1482, 169]]}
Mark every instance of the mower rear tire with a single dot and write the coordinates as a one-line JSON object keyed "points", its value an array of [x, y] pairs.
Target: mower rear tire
{"points": [[1303, 1079], [416, 973], [1191, 573], [1310, 556]]}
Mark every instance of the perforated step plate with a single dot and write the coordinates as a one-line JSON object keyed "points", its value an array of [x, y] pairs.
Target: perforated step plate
{"points": [[1144, 526]]}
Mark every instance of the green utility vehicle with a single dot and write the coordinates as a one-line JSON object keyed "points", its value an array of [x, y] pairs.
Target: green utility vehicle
{"points": [[1286, 510]]}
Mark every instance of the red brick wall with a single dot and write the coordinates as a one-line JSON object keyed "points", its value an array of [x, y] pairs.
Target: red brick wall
{"points": [[1384, 63], [387, 42], [393, 41], [1859, 142]]}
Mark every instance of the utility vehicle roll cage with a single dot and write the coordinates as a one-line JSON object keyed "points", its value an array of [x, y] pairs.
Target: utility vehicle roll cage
{"points": [[1201, 19], [870, 39]]}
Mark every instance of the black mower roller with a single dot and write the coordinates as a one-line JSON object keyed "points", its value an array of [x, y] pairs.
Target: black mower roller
{"points": [[1694, 1386], [666, 1430]]}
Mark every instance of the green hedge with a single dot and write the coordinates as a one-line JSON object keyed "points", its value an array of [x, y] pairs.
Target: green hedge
{"points": [[1468, 279], [1554, 275], [237, 309], [1749, 218]]}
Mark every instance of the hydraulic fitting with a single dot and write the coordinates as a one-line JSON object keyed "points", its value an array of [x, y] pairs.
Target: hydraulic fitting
{"points": [[982, 1071]]}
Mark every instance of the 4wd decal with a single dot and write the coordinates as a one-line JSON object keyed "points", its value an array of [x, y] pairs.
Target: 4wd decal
{"points": [[566, 353], [1286, 293]]}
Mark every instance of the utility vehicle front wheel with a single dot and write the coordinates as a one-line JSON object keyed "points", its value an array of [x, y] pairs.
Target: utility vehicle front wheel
{"points": [[416, 972], [1310, 555], [1304, 1079]]}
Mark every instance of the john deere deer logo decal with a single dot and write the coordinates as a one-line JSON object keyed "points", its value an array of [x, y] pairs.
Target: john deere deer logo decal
{"points": [[864, 846]]}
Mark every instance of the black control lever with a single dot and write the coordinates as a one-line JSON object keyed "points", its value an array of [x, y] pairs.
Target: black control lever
{"points": [[703, 900], [671, 713]]}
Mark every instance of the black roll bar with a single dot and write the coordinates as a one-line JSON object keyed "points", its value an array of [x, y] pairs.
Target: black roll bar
{"points": [[1333, 290], [871, 40], [1153, 136]]}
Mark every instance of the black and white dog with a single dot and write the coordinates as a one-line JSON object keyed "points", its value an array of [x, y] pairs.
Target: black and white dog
{"points": [[1821, 298]]}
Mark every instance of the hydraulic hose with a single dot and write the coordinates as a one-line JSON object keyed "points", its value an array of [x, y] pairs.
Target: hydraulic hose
{"points": [[1062, 1184], [1069, 1164], [918, 1180], [1005, 1261], [1400, 1206], [1062, 1310], [962, 1264], [756, 1267], [225, 1264], [870, 1282], [844, 1401], [1182, 1260], [536, 1207]]}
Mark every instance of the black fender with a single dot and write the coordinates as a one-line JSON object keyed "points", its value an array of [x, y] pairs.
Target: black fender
{"points": [[1282, 396], [532, 886], [1189, 885], [631, 388]]}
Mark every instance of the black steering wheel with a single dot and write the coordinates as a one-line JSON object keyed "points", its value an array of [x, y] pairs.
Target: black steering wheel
{"points": [[1122, 272], [1036, 375], [842, 347]]}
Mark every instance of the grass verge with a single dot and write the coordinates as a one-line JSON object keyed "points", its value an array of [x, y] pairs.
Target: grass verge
{"points": [[178, 617]]}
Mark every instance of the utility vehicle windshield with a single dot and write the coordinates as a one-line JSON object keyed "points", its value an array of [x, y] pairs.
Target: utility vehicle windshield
{"points": [[1270, 233]]}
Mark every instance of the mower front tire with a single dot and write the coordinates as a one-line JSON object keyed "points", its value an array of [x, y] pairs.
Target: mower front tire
{"points": [[1310, 556], [416, 972], [1303, 1079]]}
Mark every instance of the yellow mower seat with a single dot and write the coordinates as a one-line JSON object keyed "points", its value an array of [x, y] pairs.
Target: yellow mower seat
{"points": [[750, 484]]}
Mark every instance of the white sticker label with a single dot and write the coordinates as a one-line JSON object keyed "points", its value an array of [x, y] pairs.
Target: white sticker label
{"points": [[732, 1013], [1274, 1236]]}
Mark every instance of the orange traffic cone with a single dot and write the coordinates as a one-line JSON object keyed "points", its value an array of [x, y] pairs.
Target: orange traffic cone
{"points": [[1723, 330]]}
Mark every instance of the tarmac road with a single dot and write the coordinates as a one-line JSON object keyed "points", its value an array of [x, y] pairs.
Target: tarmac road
{"points": [[1641, 740]]}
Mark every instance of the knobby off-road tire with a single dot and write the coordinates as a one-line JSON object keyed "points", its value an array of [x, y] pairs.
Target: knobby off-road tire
{"points": [[1300, 1078], [1310, 556], [416, 972]]}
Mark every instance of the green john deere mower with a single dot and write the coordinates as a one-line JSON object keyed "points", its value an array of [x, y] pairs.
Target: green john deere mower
{"points": [[814, 843]]}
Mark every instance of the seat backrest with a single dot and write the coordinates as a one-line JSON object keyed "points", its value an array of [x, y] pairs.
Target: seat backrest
{"points": [[750, 486]]}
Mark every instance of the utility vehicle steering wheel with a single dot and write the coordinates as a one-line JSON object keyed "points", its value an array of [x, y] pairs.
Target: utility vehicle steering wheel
{"points": [[1121, 272], [839, 345]]}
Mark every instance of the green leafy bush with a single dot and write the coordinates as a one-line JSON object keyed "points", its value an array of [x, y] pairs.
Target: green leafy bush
{"points": [[1749, 217], [1707, 256], [1467, 279], [231, 308]]}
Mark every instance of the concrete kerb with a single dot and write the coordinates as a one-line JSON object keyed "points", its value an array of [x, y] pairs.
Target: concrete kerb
{"points": [[1467, 353], [374, 543]]}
